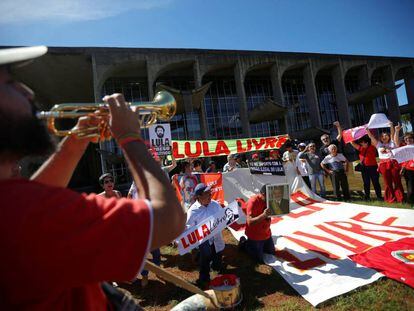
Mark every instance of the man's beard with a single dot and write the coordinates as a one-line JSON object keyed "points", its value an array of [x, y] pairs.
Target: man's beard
{"points": [[24, 137]]}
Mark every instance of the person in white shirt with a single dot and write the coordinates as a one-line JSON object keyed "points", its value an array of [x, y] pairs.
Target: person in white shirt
{"points": [[211, 250], [302, 165], [231, 164], [336, 165], [290, 154]]}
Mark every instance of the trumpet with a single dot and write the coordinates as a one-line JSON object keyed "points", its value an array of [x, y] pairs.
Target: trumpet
{"points": [[163, 107]]}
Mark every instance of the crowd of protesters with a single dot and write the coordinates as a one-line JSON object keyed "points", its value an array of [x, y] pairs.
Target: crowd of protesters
{"points": [[78, 221]]}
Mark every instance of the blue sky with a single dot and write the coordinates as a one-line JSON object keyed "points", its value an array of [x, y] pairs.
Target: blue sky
{"points": [[345, 27]]}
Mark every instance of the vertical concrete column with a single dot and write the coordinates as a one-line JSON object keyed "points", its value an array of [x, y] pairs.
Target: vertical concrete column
{"points": [[277, 90], [202, 112], [97, 93], [364, 83], [409, 89], [340, 95], [150, 78], [392, 99], [241, 94], [311, 96]]}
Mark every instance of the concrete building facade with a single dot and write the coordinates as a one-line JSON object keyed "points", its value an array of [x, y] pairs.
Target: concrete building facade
{"points": [[310, 90]]}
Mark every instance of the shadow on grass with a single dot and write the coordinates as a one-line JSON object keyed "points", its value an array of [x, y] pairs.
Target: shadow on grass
{"points": [[156, 293], [255, 284], [183, 263]]}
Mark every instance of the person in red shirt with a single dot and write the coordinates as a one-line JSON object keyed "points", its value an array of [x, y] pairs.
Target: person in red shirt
{"points": [[259, 235], [58, 246], [368, 160]]}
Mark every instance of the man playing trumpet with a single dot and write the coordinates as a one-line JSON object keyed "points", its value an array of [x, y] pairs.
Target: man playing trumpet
{"points": [[58, 245]]}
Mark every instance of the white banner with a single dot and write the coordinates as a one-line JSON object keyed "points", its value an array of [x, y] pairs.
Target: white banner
{"points": [[207, 229], [314, 240], [403, 154], [378, 120]]}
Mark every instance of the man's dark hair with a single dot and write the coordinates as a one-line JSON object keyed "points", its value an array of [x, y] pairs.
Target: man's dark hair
{"points": [[103, 176], [159, 126], [365, 139], [196, 163], [263, 189], [184, 164], [24, 136]]}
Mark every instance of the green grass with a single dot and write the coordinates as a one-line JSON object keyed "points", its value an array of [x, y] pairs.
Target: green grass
{"points": [[382, 204]]}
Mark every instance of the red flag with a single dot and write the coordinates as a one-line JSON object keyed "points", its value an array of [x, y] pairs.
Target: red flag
{"points": [[354, 133], [393, 259]]}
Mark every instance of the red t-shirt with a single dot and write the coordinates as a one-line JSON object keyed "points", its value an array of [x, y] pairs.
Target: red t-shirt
{"points": [[58, 245], [368, 155], [408, 165], [260, 231]]}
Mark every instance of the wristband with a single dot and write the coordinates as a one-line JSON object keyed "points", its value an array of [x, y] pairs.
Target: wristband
{"points": [[127, 138]]}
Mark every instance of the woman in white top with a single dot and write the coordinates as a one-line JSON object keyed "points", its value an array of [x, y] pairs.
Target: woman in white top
{"points": [[388, 166]]}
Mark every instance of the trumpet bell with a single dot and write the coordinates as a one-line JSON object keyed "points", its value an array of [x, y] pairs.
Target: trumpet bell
{"points": [[163, 107]]}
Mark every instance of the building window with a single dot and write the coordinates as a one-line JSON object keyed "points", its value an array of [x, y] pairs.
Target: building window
{"points": [[221, 104], [327, 101], [257, 90], [295, 99], [356, 111]]}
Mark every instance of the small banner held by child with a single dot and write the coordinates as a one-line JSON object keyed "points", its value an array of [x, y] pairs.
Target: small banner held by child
{"points": [[185, 184], [207, 229], [271, 167]]}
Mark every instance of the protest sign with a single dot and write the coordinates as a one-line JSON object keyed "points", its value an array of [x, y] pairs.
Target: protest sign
{"points": [[212, 148], [354, 133], [185, 184], [378, 120], [277, 199], [208, 228], [273, 167], [160, 138], [403, 154]]}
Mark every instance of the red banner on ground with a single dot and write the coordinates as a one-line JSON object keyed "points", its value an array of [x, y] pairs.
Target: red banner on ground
{"points": [[394, 259]]}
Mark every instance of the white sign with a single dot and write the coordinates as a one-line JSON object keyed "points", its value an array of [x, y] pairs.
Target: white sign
{"points": [[160, 138], [208, 228], [314, 240], [378, 120], [403, 154]]}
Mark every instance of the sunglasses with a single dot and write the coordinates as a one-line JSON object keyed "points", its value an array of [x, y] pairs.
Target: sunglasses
{"points": [[107, 181]]}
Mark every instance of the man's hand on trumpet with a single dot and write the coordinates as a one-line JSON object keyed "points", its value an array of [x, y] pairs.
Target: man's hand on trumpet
{"points": [[88, 126], [123, 120]]}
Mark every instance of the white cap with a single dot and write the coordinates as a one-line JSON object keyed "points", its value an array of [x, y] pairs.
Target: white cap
{"points": [[18, 55]]}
